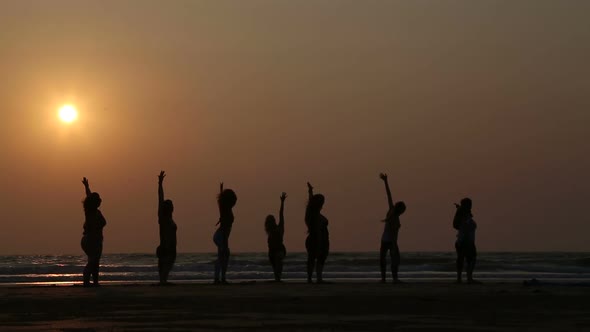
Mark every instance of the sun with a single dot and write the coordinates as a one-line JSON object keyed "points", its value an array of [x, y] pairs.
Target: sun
{"points": [[68, 113]]}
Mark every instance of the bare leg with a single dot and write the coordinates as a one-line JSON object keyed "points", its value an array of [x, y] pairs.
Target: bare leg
{"points": [[86, 274], [460, 259], [310, 267], [395, 259], [471, 258], [320, 271], [279, 265], [383, 260], [224, 264]]}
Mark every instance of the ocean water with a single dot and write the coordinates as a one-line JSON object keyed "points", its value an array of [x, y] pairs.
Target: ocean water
{"points": [[198, 267]]}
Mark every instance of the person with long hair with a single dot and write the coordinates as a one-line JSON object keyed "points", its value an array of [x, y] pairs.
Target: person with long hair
{"points": [[465, 244], [226, 200], [166, 251], [390, 234], [92, 237], [275, 233], [317, 242]]}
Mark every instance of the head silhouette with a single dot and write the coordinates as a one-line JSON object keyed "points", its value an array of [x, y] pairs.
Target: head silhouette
{"points": [[399, 208], [167, 207], [227, 199], [270, 224], [92, 202], [466, 203]]}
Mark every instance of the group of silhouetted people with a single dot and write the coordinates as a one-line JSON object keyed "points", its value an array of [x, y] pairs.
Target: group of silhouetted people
{"points": [[317, 243]]}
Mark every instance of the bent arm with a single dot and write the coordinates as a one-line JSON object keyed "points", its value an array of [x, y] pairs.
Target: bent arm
{"points": [[457, 219]]}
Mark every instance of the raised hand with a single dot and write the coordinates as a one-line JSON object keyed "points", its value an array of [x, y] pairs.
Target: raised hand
{"points": [[161, 176], [86, 186], [383, 176], [220, 187], [283, 196], [309, 186]]}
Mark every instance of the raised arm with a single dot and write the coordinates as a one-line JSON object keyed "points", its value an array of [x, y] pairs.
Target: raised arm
{"points": [[161, 188], [457, 219], [281, 213], [86, 186], [383, 177], [309, 190]]}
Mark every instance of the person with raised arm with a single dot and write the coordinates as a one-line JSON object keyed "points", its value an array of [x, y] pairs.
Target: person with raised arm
{"points": [[390, 235], [92, 237], [166, 251], [226, 200], [465, 244], [317, 242], [275, 233]]}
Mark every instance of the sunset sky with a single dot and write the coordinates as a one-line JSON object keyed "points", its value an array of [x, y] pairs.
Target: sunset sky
{"points": [[486, 99]]}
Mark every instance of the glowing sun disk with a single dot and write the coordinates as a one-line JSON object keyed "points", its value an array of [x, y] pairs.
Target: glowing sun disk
{"points": [[68, 113]]}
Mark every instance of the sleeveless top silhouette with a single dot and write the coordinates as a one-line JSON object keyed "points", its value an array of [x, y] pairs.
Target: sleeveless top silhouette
{"points": [[466, 231], [391, 228], [168, 230], [222, 233], [275, 240], [93, 226], [318, 228]]}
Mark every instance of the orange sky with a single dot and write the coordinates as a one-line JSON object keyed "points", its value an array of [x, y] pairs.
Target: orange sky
{"points": [[489, 99]]}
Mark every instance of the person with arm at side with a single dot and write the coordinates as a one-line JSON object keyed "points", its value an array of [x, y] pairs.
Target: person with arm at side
{"points": [[465, 244], [166, 251], [92, 238], [390, 235]]}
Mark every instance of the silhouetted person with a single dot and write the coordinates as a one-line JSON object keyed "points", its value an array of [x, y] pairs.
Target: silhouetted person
{"points": [[166, 251], [465, 244], [226, 201], [318, 238], [92, 238], [275, 233], [390, 234]]}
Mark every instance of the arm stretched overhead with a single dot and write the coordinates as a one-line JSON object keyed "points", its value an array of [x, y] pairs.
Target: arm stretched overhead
{"points": [[281, 214], [383, 177], [86, 186]]}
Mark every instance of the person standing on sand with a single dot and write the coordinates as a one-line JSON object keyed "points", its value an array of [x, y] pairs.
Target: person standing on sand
{"points": [[226, 200], [275, 233], [390, 235], [166, 251], [92, 238], [317, 242], [465, 244]]}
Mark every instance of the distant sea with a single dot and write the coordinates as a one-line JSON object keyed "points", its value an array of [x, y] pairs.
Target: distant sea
{"points": [[341, 266]]}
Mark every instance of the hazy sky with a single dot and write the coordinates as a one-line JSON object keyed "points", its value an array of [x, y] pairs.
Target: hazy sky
{"points": [[487, 99]]}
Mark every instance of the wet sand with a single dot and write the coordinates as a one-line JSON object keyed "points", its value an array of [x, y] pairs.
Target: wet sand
{"points": [[265, 306]]}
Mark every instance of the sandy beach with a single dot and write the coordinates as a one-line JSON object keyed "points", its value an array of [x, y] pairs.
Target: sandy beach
{"points": [[265, 306]]}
